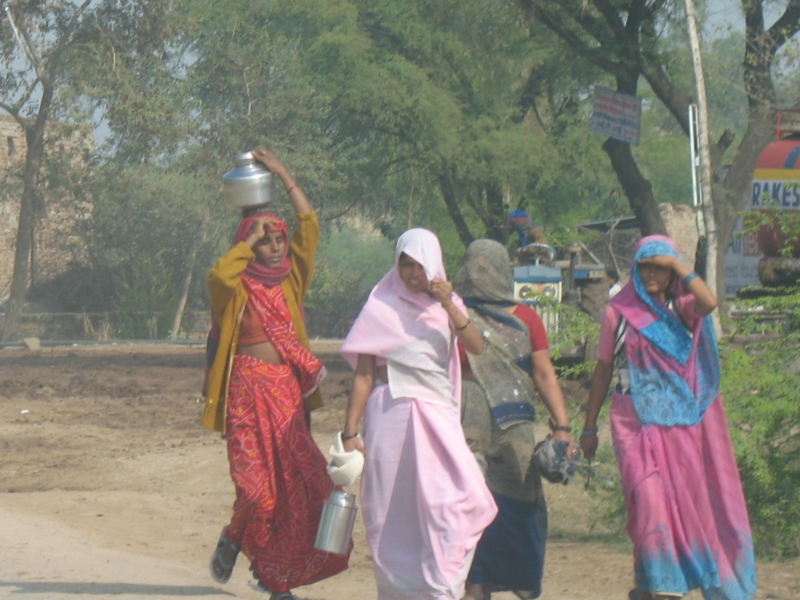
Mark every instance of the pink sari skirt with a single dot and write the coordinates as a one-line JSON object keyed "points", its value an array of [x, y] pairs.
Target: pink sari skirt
{"points": [[424, 499], [280, 478], [687, 516]]}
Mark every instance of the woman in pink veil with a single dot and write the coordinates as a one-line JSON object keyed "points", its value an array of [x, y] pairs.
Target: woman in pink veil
{"points": [[425, 501]]}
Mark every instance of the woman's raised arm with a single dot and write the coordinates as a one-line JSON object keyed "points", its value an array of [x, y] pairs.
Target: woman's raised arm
{"points": [[296, 195], [705, 300]]}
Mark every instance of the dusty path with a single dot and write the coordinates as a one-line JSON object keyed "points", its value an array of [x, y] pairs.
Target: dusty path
{"points": [[109, 489]]}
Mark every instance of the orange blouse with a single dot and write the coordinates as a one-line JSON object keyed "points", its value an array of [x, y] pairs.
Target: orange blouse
{"points": [[251, 330]]}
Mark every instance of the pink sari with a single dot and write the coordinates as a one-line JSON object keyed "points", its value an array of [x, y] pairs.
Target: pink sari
{"points": [[425, 501], [687, 516]]}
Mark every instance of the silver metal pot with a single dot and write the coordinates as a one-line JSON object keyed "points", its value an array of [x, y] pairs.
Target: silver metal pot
{"points": [[336, 525], [248, 185]]}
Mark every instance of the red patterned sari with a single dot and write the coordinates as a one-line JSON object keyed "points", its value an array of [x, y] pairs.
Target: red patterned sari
{"points": [[279, 473]]}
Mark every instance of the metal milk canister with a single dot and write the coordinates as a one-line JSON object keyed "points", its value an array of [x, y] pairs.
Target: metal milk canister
{"points": [[336, 524], [248, 185]]}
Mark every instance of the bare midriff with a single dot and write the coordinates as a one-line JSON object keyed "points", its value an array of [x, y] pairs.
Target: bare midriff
{"points": [[263, 351], [380, 373]]}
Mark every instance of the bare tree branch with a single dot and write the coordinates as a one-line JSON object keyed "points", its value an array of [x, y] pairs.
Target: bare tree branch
{"points": [[23, 100], [611, 16], [653, 71], [575, 42], [67, 35], [17, 23]]}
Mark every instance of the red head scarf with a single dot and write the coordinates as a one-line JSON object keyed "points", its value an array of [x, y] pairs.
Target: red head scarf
{"points": [[256, 270]]}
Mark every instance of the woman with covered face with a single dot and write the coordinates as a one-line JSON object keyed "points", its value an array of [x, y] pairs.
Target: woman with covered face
{"points": [[260, 383], [424, 500], [498, 393], [686, 511]]}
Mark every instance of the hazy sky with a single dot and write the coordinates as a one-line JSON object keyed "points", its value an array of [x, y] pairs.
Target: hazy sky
{"points": [[726, 14]]}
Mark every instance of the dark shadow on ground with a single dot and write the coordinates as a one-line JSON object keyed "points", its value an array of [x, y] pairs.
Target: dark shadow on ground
{"points": [[96, 589]]}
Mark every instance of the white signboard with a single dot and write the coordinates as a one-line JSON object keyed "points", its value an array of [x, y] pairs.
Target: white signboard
{"points": [[743, 255], [741, 260], [616, 115]]}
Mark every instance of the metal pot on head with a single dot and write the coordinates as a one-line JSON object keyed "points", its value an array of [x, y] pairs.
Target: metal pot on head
{"points": [[336, 524], [248, 186]]}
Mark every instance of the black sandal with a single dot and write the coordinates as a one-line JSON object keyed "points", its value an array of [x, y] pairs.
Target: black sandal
{"points": [[220, 570], [288, 595]]}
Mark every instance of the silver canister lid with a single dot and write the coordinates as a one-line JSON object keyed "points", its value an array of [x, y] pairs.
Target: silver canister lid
{"points": [[342, 498], [248, 184]]}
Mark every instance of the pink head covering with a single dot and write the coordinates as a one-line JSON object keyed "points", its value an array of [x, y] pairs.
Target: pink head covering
{"points": [[396, 320], [256, 270], [673, 367], [638, 308], [423, 246]]}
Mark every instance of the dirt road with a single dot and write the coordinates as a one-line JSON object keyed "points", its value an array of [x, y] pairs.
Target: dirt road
{"points": [[110, 489]]}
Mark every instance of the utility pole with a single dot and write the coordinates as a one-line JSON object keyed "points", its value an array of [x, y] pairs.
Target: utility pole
{"points": [[707, 206]]}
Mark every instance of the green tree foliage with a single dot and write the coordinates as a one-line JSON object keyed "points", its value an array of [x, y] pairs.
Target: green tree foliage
{"points": [[145, 222], [349, 263], [440, 89], [248, 89], [41, 43]]}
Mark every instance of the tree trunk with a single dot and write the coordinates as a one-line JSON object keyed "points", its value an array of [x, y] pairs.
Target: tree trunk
{"points": [[451, 203], [22, 250], [732, 195], [19, 280], [34, 277], [496, 213], [638, 189], [187, 283]]}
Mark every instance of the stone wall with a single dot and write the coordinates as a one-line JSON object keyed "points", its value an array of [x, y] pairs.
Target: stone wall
{"points": [[681, 225], [12, 156], [54, 234], [615, 249]]}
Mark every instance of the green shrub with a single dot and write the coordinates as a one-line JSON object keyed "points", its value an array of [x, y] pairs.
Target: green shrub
{"points": [[761, 388]]}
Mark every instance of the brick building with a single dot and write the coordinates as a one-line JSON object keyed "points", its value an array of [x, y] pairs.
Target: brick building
{"points": [[616, 246], [681, 224], [56, 222]]}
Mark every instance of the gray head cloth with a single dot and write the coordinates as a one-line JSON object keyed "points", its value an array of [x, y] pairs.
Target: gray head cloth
{"points": [[486, 273]]}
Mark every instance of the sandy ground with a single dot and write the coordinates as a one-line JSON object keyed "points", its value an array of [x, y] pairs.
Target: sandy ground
{"points": [[110, 489]]}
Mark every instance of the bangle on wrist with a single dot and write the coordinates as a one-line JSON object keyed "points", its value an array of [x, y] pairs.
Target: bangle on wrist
{"points": [[349, 437], [590, 432], [688, 279], [467, 324], [289, 189], [554, 427]]}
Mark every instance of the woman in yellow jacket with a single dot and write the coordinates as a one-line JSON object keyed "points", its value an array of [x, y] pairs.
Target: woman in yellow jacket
{"points": [[260, 382]]}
